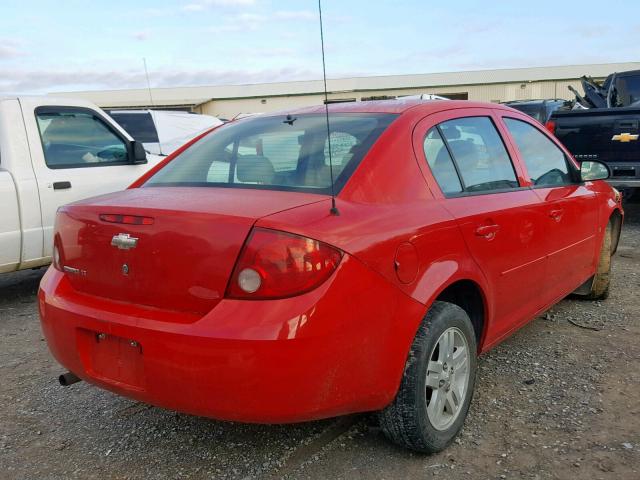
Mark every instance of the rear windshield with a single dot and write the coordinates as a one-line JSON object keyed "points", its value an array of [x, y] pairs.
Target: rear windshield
{"points": [[286, 152], [139, 125]]}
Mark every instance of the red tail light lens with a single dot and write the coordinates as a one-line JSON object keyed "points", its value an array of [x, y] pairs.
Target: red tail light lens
{"points": [[551, 126], [276, 264], [57, 264], [126, 219]]}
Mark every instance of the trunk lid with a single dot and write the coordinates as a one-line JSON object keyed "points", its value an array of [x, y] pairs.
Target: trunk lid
{"points": [[182, 261]]}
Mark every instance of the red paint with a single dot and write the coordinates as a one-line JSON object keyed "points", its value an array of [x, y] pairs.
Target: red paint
{"points": [[286, 264], [174, 336]]}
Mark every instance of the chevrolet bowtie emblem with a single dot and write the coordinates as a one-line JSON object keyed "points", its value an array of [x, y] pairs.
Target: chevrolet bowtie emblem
{"points": [[625, 138], [124, 241]]}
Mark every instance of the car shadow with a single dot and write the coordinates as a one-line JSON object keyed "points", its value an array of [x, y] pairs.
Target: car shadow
{"points": [[20, 286]]}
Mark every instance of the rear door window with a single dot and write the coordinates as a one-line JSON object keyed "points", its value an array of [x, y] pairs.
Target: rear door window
{"points": [[546, 163], [479, 154], [441, 163], [73, 138]]}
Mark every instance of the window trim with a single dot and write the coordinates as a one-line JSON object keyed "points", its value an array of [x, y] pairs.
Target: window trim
{"points": [[463, 185], [455, 166], [67, 109], [465, 192], [574, 173]]}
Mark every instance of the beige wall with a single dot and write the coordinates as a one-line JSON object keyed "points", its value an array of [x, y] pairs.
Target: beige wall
{"points": [[229, 108]]}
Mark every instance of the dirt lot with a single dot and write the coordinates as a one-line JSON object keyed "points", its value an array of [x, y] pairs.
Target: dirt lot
{"points": [[554, 401]]}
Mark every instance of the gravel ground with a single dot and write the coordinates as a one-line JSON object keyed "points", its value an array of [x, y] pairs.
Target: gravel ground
{"points": [[556, 400]]}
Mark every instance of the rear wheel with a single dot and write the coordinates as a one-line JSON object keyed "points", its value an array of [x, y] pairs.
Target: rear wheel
{"points": [[436, 389]]}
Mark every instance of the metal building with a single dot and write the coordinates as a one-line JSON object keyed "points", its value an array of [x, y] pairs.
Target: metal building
{"points": [[227, 101]]}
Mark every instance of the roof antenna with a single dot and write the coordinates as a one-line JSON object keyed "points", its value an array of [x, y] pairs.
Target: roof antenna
{"points": [[334, 209], [146, 72]]}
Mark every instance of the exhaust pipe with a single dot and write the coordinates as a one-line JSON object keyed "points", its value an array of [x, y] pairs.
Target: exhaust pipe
{"points": [[68, 378]]}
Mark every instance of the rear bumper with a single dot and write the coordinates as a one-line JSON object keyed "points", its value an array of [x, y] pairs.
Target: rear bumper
{"points": [[336, 350]]}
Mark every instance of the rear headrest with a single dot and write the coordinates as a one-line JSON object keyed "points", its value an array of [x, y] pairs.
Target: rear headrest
{"points": [[255, 169]]}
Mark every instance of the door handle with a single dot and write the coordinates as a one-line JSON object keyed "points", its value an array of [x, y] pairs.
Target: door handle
{"points": [[556, 214], [61, 185], [487, 231]]}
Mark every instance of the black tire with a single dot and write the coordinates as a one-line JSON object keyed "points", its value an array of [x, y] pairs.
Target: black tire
{"points": [[405, 421], [600, 282]]}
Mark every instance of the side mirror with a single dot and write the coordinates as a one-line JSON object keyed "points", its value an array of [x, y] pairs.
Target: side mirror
{"points": [[590, 171], [139, 154]]}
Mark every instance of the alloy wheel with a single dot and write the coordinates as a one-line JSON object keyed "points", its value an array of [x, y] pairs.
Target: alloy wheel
{"points": [[447, 378]]}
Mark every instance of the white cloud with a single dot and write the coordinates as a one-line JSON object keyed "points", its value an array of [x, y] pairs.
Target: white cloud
{"points": [[141, 36], [240, 22], [295, 15], [9, 49], [200, 5], [46, 81], [590, 31]]}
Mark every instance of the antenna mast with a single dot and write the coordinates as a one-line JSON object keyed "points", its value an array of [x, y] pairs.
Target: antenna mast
{"points": [[334, 209], [146, 72]]}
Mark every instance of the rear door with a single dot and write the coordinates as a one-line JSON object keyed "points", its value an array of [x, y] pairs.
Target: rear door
{"points": [[570, 208], [471, 168]]}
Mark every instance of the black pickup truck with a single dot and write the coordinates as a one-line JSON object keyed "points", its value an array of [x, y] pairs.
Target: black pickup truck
{"points": [[605, 127]]}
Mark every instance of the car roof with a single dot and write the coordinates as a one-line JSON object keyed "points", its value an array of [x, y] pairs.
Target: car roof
{"points": [[533, 100], [397, 106]]}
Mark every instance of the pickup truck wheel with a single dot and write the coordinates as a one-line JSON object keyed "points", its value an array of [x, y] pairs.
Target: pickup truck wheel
{"points": [[602, 278], [436, 388]]}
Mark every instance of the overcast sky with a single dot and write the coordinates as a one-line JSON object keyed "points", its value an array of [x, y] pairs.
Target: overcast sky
{"points": [[50, 46]]}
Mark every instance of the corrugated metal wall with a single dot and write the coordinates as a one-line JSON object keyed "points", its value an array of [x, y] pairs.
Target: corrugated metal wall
{"points": [[501, 92]]}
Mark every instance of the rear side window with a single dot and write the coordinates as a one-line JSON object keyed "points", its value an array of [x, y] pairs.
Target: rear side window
{"points": [[283, 152], [545, 162], [139, 125], [479, 154], [73, 138], [441, 163]]}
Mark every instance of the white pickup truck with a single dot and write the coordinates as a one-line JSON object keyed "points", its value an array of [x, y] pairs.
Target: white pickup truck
{"points": [[54, 151]]}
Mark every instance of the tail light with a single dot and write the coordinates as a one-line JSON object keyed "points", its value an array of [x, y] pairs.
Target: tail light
{"points": [[126, 219], [276, 264], [551, 126], [56, 257]]}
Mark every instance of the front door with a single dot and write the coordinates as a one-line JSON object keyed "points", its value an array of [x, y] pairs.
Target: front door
{"points": [[570, 209], [76, 154]]}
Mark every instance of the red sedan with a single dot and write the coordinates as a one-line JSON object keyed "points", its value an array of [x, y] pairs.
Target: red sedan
{"points": [[223, 284]]}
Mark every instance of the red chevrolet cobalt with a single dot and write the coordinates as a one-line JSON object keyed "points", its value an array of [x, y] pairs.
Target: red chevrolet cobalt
{"points": [[223, 284]]}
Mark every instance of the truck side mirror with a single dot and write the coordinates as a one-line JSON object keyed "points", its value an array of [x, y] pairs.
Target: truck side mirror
{"points": [[590, 171], [139, 153]]}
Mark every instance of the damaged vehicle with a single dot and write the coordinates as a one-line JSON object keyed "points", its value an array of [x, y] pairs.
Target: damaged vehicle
{"points": [[271, 272], [541, 110], [604, 125]]}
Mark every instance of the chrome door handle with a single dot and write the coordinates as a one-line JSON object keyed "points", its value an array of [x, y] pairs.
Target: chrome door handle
{"points": [[487, 231], [556, 214]]}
